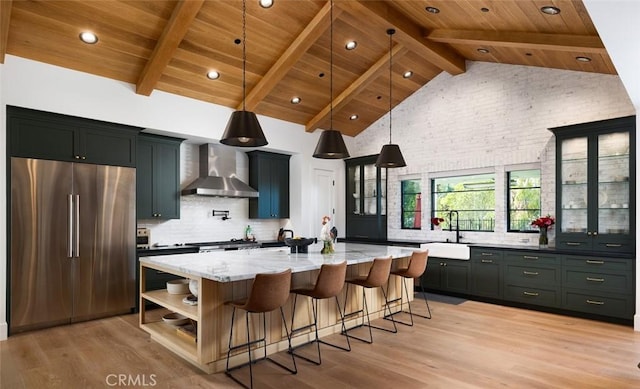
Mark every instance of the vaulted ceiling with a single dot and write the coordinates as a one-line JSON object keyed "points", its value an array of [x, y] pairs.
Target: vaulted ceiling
{"points": [[170, 46]]}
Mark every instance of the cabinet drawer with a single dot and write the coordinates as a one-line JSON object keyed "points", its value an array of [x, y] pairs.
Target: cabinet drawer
{"points": [[606, 304], [489, 255], [532, 275], [599, 264], [532, 258], [539, 296], [595, 281]]}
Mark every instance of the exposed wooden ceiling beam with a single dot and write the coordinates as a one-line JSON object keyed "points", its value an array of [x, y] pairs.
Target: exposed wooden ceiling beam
{"points": [[5, 17], [356, 87], [175, 30], [407, 33], [290, 57], [523, 40]]}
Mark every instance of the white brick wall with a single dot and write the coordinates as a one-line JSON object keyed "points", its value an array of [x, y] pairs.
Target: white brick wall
{"points": [[491, 117]]}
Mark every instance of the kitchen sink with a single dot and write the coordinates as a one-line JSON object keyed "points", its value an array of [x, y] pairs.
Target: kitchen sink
{"points": [[447, 250]]}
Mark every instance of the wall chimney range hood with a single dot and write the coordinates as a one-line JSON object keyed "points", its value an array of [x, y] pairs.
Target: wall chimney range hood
{"points": [[218, 175]]}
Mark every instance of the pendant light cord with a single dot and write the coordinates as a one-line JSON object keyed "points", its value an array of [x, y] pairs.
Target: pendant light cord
{"points": [[244, 54], [390, 31], [331, 68]]}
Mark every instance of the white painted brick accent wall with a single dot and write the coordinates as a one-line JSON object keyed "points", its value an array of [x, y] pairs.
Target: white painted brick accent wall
{"points": [[491, 118]]}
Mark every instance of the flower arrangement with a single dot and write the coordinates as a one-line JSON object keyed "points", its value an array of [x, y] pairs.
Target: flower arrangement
{"points": [[436, 221], [544, 222]]}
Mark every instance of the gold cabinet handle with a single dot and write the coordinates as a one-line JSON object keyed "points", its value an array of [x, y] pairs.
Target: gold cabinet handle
{"points": [[613, 245], [487, 254], [530, 273], [595, 279], [529, 257], [594, 302], [573, 244], [530, 294], [594, 262], [486, 261]]}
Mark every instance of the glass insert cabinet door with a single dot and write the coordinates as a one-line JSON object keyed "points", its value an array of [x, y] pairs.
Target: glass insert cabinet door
{"points": [[353, 181], [613, 183], [574, 185]]}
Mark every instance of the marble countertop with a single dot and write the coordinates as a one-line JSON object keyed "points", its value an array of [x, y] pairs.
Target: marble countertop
{"points": [[228, 266]]}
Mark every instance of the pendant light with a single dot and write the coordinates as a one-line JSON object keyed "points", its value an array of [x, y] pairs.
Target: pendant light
{"points": [[331, 145], [390, 156], [243, 129]]}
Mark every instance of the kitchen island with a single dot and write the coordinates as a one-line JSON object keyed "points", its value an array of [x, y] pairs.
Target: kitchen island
{"points": [[224, 276]]}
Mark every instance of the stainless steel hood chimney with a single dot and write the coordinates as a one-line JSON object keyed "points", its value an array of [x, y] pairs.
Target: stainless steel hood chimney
{"points": [[218, 174]]}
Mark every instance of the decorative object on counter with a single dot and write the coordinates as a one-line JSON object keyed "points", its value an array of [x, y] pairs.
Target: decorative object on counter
{"points": [[543, 223], [248, 234], [390, 156], [179, 286], [243, 128], [436, 221], [331, 145], [326, 236], [224, 214], [298, 244], [190, 300]]}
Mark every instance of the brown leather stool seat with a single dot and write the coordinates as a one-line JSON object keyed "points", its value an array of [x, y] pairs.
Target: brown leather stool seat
{"points": [[329, 283], [268, 292], [377, 277], [417, 266]]}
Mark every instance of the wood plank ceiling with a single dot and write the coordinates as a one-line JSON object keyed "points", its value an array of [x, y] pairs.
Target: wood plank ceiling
{"points": [[170, 46]]}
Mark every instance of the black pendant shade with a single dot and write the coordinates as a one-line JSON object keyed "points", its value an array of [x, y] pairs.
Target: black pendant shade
{"points": [[390, 157], [331, 146], [243, 130]]}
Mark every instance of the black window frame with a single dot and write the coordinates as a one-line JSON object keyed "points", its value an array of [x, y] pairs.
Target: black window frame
{"points": [[529, 228], [403, 211]]}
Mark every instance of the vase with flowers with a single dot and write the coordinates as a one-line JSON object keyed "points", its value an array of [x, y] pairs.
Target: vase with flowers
{"points": [[435, 221], [543, 223]]}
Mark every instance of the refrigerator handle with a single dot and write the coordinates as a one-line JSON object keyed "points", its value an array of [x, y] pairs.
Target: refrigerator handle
{"points": [[71, 226], [77, 226]]}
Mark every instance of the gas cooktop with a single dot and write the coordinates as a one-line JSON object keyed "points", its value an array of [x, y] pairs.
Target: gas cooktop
{"points": [[224, 244]]}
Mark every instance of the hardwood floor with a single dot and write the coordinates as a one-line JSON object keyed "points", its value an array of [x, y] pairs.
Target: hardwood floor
{"points": [[465, 345]]}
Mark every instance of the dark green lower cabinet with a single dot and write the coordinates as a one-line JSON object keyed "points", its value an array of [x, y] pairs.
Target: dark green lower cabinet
{"points": [[486, 273], [597, 286], [451, 275]]}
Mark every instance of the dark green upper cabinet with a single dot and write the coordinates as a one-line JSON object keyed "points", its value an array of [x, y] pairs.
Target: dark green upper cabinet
{"points": [[269, 175], [45, 135], [158, 177], [366, 191], [595, 186]]}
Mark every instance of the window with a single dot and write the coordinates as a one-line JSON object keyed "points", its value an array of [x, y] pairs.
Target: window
{"points": [[524, 199], [411, 205], [473, 197]]}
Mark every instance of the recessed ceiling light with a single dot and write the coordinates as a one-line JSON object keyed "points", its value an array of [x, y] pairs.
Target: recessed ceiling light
{"points": [[351, 45], [550, 10], [407, 74], [432, 10], [583, 59], [483, 51], [213, 75], [88, 37], [353, 117], [296, 100], [266, 3], [484, 9]]}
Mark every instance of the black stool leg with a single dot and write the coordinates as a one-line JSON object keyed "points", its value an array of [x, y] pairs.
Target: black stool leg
{"points": [[386, 306]]}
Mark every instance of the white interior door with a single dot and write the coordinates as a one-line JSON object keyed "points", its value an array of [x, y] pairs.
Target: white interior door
{"points": [[324, 198]]}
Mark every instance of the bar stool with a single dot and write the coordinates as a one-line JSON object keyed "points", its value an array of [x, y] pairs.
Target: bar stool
{"points": [[268, 292], [377, 277], [417, 266], [328, 284]]}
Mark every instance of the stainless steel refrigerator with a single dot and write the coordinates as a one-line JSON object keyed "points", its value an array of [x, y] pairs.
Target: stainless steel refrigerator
{"points": [[72, 242]]}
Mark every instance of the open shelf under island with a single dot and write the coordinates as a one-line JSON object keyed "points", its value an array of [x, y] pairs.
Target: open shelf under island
{"points": [[224, 276]]}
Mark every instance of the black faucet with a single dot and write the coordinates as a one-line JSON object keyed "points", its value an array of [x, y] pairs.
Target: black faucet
{"points": [[457, 224]]}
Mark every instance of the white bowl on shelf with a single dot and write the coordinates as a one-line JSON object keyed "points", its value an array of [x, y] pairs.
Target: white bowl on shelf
{"points": [[193, 287], [179, 286], [175, 319]]}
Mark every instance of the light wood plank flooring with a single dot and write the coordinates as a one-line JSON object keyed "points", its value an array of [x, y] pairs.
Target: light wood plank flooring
{"points": [[466, 345]]}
